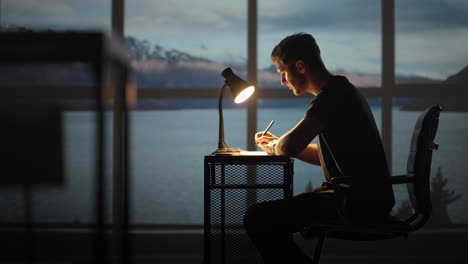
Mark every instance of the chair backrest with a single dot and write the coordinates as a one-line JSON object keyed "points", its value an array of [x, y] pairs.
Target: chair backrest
{"points": [[419, 164]]}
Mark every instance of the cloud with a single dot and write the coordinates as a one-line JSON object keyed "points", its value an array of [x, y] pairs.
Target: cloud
{"points": [[437, 55], [428, 32], [57, 14], [147, 18], [322, 15], [203, 16], [360, 16], [429, 15], [37, 8]]}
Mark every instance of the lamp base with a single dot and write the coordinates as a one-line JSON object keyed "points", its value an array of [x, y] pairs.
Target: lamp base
{"points": [[227, 151]]}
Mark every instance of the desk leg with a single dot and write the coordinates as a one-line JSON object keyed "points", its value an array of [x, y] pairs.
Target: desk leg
{"points": [[251, 175], [223, 215], [207, 209]]}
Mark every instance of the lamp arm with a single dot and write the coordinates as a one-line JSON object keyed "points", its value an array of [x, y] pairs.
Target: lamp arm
{"points": [[221, 143]]}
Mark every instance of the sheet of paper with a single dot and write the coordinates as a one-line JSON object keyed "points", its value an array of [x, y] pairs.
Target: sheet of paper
{"points": [[253, 153]]}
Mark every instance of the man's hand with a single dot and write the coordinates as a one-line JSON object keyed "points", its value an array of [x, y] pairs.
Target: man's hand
{"points": [[267, 142]]}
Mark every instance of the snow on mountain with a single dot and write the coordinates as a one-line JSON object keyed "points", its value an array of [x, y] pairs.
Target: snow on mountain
{"points": [[157, 67]]}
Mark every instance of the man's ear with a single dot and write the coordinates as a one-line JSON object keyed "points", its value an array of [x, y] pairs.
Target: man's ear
{"points": [[300, 66]]}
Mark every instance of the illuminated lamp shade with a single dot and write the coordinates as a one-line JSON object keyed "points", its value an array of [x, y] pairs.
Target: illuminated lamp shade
{"points": [[244, 94], [241, 91]]}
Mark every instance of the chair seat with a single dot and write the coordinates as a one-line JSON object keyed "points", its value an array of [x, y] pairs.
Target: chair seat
{"points": [[390, 227]]}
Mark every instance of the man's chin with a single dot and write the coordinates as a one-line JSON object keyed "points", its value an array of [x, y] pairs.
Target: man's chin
{"points": [[296, 93]]}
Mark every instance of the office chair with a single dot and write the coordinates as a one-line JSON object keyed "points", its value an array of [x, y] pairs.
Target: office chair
{"points": [[418, 185]]}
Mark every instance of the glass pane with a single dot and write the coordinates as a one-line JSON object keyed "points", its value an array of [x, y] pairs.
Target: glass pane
{"points": [[431, 39], [287, 113], [448, 163], [74, 201], [347, 32], [167, 150], [61, 15], [181, 44]]}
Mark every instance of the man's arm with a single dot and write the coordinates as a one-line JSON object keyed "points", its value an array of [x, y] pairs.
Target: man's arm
{"points": [[295, 142], [310, 155]]}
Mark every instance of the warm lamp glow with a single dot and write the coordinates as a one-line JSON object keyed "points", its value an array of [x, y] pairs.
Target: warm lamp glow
{"points": [[244, 94]]}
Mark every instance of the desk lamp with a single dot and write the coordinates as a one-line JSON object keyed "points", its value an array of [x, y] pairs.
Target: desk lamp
{"points": [[241, 91]]}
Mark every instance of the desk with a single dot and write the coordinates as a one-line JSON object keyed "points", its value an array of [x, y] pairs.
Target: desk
{"points": [[232, 184]]}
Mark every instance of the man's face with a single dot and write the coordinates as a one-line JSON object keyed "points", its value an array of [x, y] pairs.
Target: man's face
{"points": [[290, 76]]}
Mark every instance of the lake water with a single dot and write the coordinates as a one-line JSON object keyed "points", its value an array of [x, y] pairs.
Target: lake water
{"points": [[167, 150]]}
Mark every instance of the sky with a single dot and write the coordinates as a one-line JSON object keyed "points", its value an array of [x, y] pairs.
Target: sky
{"points": [[431, 35]]}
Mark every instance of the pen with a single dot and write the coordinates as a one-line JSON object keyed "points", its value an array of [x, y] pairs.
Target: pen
{"points": [[268, 127]]}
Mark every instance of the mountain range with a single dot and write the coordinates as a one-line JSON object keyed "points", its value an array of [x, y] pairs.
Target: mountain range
{"points": [[456, 103], [155, 66]]}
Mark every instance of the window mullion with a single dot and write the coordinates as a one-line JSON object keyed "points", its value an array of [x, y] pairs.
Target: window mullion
{"points": [[252, 106], [388, 74]]}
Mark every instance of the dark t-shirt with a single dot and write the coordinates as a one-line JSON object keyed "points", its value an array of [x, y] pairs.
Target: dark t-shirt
{"points": [[350, 145]]}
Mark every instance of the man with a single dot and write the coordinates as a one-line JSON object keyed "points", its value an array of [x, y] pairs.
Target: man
{"points": [[348, 144]]}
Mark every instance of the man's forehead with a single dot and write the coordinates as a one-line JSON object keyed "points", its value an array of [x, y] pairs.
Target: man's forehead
{"points": [[280, 66], [278, 63]]}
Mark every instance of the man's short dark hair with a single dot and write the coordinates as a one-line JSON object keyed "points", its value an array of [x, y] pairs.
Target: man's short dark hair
{"points": [[299, 46]]}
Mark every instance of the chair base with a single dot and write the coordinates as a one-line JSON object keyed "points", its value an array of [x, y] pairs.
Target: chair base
{"points": [[318, 247]]}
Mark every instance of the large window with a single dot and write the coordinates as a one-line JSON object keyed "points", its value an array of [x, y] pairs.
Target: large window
{"points": [[178, 50]]}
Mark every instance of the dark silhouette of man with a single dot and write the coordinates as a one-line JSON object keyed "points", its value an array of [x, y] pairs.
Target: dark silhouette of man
{"points": [[348, 144]]}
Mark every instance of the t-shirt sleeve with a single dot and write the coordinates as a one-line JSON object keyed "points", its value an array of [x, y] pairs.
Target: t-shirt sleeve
{"points": [[326, 105]]}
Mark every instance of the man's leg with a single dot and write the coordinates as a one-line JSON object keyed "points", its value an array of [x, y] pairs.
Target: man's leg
{"points": [[270, 225]]}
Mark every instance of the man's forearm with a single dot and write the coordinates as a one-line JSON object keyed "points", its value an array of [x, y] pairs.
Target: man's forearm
{"points": [[289, 147], [295, 141], [277, 147], [310, 155]]}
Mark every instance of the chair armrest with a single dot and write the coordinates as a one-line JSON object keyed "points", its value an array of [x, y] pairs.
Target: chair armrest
{"points": [[342, 180], [399, 179]]}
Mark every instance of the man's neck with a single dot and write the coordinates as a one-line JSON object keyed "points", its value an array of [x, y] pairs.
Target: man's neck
{"points": [[319, 80]]}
